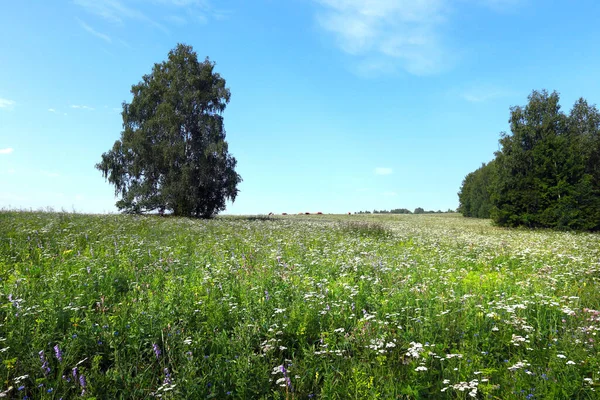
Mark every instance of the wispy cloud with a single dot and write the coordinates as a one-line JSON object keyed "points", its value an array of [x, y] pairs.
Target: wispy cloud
{"points": [[6, 103], [198, 11], [116, 11], [52, 110], [176, 12], [94, 32], [7, 150], [82, 107], [383, 171], [111, 10], [478, 93], [387, 35]]}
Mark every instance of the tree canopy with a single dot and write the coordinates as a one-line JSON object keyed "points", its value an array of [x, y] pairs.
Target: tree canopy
{"points": [[547, 171], [475, 193], [172, 155]]}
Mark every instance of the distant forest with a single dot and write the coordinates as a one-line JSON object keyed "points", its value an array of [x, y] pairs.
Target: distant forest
{"points": [[545, 174], [418, 210]]}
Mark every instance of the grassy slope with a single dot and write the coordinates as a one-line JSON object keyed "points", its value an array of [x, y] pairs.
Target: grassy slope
{"points": [[401, 306]]}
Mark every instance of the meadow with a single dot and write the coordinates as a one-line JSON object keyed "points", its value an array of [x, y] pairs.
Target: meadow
{"points": [[298, 307]]}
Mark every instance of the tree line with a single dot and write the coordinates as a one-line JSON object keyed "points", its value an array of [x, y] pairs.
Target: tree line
{"points": [[546, 172], [418, 210]]}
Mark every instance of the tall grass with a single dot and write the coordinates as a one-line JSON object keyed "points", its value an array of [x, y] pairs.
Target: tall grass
{"points": [[345, 308]]}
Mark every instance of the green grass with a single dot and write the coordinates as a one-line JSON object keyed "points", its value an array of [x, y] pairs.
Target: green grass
{"points": [[331, 307]]}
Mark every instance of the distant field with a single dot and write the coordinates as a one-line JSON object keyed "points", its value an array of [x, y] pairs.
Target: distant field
{"points": [[299, 307]]}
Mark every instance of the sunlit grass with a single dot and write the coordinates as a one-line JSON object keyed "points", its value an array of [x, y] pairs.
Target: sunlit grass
{"points": [[346, 307]]}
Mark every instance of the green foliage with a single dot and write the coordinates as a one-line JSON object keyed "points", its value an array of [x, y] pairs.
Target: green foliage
{"points": [[475, 193], [366, 228], [172, 155], [393, 211], [546, 172]]}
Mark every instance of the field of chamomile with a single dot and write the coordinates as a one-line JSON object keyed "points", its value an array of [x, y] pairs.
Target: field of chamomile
{"points": [[296, 307]]}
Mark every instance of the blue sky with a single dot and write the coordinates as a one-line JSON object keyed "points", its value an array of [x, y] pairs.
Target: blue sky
{"points": [[337, 105]]}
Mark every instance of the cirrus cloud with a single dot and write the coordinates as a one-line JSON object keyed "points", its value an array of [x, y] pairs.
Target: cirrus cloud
{"points": [[82, 107], [6, 103], [386, 35]]}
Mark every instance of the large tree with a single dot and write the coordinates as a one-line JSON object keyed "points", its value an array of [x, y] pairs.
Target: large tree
{"points": [[172, 155], [546, 172], [531, 162]]}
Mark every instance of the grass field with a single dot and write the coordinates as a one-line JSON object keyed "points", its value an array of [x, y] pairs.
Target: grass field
{"points": [[300, 307]]}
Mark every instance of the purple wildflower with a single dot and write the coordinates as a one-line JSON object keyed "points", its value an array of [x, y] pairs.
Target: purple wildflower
{"points": [[288, 381], [45, 365], [75, 372], [267, 295], [82, 383], [58, 353], [156, 350], [167, 380]]}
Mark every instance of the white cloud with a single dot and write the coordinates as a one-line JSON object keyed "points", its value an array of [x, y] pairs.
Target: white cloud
{"points": [[383, 171], [120, 11], [388, 33], [111, 10], [5, 103], [8, 150], [82, 107], [199, 11], [94, 32], [116, 11], [479, 93], [52, 110], [385, 35]]}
